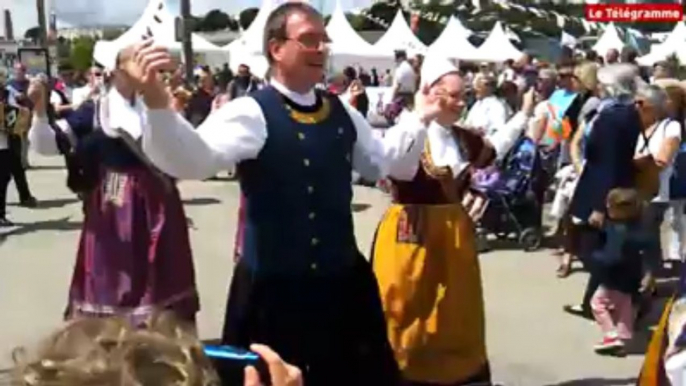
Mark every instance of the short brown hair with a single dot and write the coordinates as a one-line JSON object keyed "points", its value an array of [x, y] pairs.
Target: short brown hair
{"points": [[275, 27], [623, 204]]}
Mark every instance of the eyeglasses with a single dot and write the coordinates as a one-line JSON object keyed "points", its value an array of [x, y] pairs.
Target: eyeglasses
{"points": [[311, 41]]}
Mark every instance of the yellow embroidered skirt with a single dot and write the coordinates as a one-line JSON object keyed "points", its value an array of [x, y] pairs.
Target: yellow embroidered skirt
{"points": [[426, 264]]}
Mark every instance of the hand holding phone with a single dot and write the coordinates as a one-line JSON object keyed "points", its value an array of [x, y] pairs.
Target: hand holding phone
{"points": [[281, 373]]}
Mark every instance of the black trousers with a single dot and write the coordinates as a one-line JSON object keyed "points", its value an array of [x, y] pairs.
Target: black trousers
{"points": [[17, 168], [589, 239], [332, 327], [5, 177]]}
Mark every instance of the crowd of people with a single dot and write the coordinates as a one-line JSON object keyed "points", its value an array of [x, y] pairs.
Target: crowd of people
{"points": [[607, 138]]}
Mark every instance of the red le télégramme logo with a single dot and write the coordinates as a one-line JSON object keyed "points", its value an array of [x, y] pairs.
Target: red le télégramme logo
{"points": [[634, 12]]}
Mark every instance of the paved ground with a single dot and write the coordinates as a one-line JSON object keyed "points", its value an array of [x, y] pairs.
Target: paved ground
{"points": [[531, 342]]}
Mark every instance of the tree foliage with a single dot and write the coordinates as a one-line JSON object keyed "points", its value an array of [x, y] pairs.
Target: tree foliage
{"points": [[81, 55], [112, 33], [215, 20], [32, 34], [246, 17]]}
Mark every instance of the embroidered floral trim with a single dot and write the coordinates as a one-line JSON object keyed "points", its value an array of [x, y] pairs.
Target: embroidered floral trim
{"points": [[114, 188], [314, 117]]}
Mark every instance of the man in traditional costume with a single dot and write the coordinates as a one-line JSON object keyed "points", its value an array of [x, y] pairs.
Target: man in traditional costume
{"points": [[134, 254], [301, 285], [424, 254]]}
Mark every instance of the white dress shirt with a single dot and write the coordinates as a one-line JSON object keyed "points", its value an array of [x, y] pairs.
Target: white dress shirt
{"points": [[489, 113], [405, 78], [238, 131]]}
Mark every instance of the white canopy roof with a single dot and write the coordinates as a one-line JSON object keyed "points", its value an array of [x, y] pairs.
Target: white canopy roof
{"points": [[344, 38], [498, 47], [399, 37], [251, 40], [453, 43], [672, 45], [610, 39], [156, 22]]}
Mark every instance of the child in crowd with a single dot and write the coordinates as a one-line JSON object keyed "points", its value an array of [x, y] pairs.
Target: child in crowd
{"points": [[617, 267]]}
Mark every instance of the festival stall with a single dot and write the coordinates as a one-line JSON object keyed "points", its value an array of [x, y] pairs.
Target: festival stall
{"points": [[400, 37], [158, 23], [348, 48], [453, 42], [672, 45], [609, 40], [497, 47]]}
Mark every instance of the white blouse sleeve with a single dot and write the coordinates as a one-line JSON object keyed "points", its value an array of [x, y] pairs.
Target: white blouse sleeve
{"points": [[235, 132], [504, 138], [42, 138], [396, 154]]}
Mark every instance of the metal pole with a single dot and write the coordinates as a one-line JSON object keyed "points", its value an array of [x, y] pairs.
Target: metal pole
{"points": [[42, 25], [187, 42]]}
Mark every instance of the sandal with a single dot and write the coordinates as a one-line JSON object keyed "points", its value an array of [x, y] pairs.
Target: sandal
{"points": [[564, 270]]}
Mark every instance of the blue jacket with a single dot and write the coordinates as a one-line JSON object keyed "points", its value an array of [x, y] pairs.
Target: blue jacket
{"points": [[617, 263], [609, 153]]}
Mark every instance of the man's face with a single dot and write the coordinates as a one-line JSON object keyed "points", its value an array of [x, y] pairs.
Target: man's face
{"points": [[19, 72], [243, 71], [451, 89], [565, 79], [304, 52], [612, 56], [545, 86], [95, 76]]}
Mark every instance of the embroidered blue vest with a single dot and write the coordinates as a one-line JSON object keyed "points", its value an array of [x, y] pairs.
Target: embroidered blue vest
{"points": [[298, 192]]}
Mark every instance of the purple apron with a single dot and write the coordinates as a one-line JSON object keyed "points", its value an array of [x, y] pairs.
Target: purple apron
{"points": [[134, 254]]}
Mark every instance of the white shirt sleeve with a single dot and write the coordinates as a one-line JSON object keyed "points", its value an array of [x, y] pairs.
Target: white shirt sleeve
{"points": [[675, 367], [497, 113], [55, 98], [235, 132], [396, 154], [505, 137], [673, 130], [80, 95], [42, 138]]}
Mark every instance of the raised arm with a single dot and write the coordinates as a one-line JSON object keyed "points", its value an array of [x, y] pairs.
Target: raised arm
{"points": [[234, 132], [504, 138], [42, 138], [396, 154]]}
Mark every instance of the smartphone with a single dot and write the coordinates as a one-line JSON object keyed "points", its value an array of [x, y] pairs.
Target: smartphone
{"points": [[231, 361]]}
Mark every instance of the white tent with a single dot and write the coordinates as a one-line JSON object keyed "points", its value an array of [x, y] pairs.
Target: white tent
{"points": [[348, 48], [672, 45], [251, 40], [609, 40], [498, 47], [158, 23], [344, 39], [399, 37], [453, 43]]}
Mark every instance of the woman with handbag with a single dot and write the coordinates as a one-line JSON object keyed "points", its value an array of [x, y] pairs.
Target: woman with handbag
{"points": [[656, 149]]}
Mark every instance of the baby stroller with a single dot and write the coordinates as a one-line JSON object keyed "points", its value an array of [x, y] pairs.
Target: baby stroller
{"points": [[515, 199]]}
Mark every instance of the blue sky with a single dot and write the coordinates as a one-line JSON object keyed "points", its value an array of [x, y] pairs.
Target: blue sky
{"points": [[90, 12]]}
